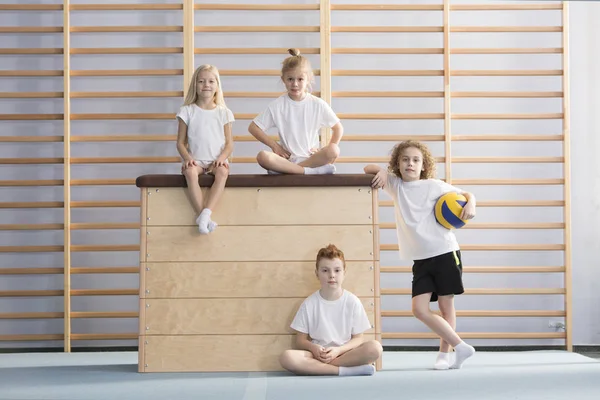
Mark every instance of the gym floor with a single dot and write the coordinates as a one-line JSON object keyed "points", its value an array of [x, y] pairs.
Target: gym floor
{"points": [[551, 375]]}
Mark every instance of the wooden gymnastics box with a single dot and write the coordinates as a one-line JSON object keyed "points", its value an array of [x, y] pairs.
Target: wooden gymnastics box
{"points": [[225, 301]]}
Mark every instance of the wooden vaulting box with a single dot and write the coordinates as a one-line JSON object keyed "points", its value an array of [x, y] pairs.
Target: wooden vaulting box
{"points": [[225, 301]]}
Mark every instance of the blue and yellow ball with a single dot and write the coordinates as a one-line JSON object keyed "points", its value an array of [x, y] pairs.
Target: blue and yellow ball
{"points": [[448, 209]]}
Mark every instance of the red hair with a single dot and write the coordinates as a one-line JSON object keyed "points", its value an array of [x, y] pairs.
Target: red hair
{"points": [[330, 252]]}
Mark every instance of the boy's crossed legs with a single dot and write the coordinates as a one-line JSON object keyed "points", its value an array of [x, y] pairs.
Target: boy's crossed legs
{"points": [[319, 163], [357, 361]]}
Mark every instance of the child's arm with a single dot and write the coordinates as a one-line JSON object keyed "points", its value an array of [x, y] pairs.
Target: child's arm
{"points": [[266, 140], [303, 343], [337, 131], [468, 211], [372, 169], [380, 179], [188, 160], [227, 149]]}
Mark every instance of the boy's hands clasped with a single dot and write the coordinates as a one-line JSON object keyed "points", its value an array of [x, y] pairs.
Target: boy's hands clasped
{"points": [[325, 354], [329, 354]]}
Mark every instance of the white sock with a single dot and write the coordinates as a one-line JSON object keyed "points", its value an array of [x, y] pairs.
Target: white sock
{"points": [[203, 220], [212, 225], [322, 170], [443, 361], [463, 351], [367, 369]]}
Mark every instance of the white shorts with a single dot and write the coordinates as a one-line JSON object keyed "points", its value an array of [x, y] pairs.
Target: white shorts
{"points": [[297, 159], [204, 164]]}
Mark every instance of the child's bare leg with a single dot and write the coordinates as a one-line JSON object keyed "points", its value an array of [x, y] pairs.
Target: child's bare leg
{"points": [[367, 353], [302, 362], [446, 304], [273, 162], [444, 358], [191, 176], [221, 174], [420, 307], [325, 155]]}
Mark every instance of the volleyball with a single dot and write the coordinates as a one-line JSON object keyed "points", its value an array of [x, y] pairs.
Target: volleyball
{"points": [[448, 209]]}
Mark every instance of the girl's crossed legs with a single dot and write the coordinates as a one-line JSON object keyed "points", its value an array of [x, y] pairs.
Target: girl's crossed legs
{"points": [[320, 162]]}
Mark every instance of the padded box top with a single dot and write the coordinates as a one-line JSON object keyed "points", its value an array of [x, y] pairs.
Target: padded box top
{"points": [[240, 180]]}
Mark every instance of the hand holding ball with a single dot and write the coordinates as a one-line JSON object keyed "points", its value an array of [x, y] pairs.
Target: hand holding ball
{"points": [[448, 209]]}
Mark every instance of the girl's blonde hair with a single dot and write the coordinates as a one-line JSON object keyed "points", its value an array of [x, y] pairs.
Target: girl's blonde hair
{"points": [[429, 168], [297, 61], [192, 94]]}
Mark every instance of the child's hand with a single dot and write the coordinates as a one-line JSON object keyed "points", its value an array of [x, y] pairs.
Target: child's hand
{"points": [[221, 162], [280, 151], [329, 354], [188, 164], [316, 351], [313, 151], [468, 211], [380, 180]]}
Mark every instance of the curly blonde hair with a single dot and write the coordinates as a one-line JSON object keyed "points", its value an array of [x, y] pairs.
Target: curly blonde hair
{"points": [[429, 169]]}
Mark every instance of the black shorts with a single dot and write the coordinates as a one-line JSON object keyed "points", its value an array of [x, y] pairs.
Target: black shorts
{"points": [[441, 275]]}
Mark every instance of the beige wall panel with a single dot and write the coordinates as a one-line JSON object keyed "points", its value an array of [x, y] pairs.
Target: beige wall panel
{"points": [[267, 206], [226, 316], [212, 353], [247, 279], [141, 354], [257, 243], [215, 353]]}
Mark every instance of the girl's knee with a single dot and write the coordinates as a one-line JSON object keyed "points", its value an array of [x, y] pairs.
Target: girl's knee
{"points": [[332, 151], [221, 173], [191, 173], [263, 157]]}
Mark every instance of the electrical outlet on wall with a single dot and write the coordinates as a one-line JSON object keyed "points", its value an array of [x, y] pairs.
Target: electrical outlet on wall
{"points": [[556, 325]]}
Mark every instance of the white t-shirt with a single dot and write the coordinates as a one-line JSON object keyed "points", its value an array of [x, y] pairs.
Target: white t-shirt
{"points": [[420, 236], [331, 323], [298, 122], [206, 134]]}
